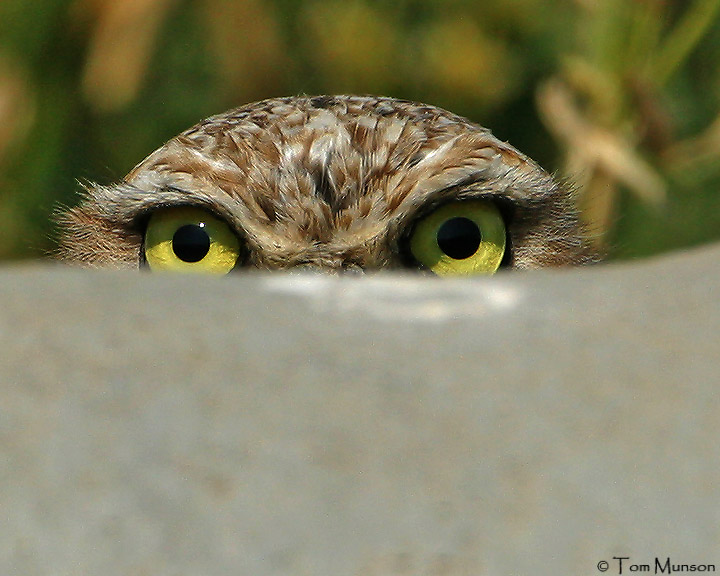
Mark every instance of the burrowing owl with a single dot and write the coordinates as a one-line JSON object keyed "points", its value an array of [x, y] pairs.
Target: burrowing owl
{"points": [[335, 183]]}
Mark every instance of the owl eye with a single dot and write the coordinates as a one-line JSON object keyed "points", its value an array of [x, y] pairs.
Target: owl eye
{"points": [[460, 239], [190, 240]]}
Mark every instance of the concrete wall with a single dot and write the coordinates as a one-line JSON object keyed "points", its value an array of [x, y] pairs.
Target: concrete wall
{"points": [[530, 423]]}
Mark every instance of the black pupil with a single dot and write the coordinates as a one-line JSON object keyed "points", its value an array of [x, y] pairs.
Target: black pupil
{"points": [[191, 243], [459, 237]]}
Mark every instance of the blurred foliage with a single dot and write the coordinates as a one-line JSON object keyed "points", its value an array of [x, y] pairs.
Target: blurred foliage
{"points": [[619, 95]]}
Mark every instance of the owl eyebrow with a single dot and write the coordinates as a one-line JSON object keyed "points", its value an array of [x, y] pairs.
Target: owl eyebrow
{"points": [[173, 197], [463, 189], [459, 191]]}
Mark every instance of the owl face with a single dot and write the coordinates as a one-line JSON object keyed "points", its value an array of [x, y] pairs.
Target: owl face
{"points": [[341, 183]]}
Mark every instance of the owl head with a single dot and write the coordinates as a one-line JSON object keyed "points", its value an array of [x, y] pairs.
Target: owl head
{"points": [[331, 183]]}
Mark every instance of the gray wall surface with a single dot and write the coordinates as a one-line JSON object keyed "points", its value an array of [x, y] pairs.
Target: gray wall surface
{"points": [[528, 423]]}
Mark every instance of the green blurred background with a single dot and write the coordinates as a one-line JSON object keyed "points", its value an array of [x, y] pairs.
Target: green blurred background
{"points": [[621, 95]]}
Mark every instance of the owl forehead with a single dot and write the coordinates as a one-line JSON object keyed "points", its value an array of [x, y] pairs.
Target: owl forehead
{"points": [[321, 168]]}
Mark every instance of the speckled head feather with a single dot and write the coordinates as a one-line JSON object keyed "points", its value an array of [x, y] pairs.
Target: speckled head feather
{"points": [[331, 182]]}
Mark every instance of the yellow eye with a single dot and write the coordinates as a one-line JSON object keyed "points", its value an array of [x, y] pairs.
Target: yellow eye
{"points": [[460, 239], [190, 240]]}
